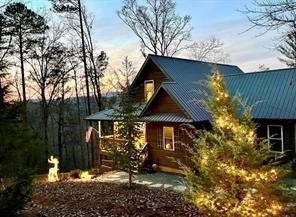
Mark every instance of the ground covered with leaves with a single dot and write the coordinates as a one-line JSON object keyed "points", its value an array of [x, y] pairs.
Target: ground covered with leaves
{"points": [[76, 198]]}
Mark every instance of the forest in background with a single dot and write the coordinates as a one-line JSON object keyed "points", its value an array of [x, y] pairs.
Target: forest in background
{"points": [[59, 75], [53, 70]]}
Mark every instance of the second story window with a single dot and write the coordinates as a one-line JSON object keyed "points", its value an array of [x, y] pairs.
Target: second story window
{"points": [[148, 89]]}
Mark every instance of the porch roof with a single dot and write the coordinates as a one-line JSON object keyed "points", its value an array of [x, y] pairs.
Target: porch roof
{"points": [[166, 117], [105, 115], [108, 114]]}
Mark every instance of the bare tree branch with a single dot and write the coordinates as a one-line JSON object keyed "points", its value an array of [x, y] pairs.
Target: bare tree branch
{"points": [[272, 14], [209, 50], [157, 26], [123, 76]]}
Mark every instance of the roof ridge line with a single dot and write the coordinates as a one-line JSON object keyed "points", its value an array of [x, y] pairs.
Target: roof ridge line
{"points": [[192, 60], [169, 82], [273, 70], [262, 72]]}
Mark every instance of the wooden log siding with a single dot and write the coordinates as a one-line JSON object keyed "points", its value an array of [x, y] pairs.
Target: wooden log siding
{"points": [[159, 155], [160, 137], [151, 72], [177, 139], [163, 103]]}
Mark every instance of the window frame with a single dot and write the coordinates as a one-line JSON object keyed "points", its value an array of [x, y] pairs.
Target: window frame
{"points": [[163, 138], [269, 137], [148, 81]]}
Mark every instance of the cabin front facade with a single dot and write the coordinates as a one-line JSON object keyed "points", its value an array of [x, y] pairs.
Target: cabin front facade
{"points": [[170, 91]]}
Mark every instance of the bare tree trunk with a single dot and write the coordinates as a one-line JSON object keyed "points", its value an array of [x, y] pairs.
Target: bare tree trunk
{"points": [[87, 146], [45, 127], [130, 171], [85, 69], [79, 119], [66, 157], [23, 78], [45, 123], [74, 156], [61, 124], [84, 59]]}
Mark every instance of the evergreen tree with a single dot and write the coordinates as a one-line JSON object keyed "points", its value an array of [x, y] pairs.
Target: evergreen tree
{"points": [[24, 24], [231, 175], [288, 49], [128, 127], [20, 154], [102, 62], [5, 43]]}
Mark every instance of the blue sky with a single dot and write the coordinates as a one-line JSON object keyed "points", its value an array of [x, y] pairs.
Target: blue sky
{"points": [[219, 18]]}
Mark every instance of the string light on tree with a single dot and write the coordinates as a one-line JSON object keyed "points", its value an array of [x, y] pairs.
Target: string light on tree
{"points": [[231, 179]]}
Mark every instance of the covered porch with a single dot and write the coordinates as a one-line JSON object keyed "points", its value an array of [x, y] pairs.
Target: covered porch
{"points": [[108, 138]]}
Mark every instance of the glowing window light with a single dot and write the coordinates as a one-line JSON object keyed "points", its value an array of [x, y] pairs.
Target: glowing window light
{"points": [[53, 171]]}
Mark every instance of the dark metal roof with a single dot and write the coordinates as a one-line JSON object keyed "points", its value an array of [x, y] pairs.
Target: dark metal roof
{"points": [[273, 93], [108, 114], [105, 115], [185, 87], [166, 117]]}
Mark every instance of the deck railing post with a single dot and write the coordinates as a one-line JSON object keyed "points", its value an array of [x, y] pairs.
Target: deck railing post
{"points": [[99, 145]]}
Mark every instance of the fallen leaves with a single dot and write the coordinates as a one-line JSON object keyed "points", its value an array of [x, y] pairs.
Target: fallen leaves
{"points": [[69, 198]]}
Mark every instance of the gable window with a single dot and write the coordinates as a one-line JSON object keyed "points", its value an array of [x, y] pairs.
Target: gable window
{"points": [[275, 138], [168, 138], [148, 89]]}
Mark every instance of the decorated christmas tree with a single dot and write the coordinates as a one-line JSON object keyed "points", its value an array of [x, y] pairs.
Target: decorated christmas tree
{"points": [[231, 174]]}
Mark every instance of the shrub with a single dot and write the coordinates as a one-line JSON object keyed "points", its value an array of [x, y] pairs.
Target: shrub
{"points": [[15, 193], [20, 155], [75, 174]]}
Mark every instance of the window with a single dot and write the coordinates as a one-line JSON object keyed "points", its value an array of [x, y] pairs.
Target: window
{"points": [[116, 126], [275, 138], [168, 138], [148, 89]]}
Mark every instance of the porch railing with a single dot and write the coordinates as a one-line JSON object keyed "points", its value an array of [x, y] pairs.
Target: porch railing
{"points": [[107, 143], [143, 157]]}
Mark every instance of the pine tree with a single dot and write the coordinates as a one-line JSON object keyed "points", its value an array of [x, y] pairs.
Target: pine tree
{"points": [[20, 154], [128, 128], [5, 43], [288, 49], [231, 175], [24, 24]]}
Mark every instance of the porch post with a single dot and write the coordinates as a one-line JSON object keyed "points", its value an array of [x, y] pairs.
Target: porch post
{"points": [[99, 144], [99, 128]]}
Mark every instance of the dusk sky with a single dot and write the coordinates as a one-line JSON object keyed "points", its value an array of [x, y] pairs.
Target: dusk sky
{"points": [[219, 18]]}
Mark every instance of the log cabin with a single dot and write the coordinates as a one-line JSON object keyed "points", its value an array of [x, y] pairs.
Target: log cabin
{"points": [[170, 91]]}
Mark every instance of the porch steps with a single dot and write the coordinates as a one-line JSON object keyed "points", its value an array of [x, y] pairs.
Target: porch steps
{"points": [[108, 163], [105, 168]]}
